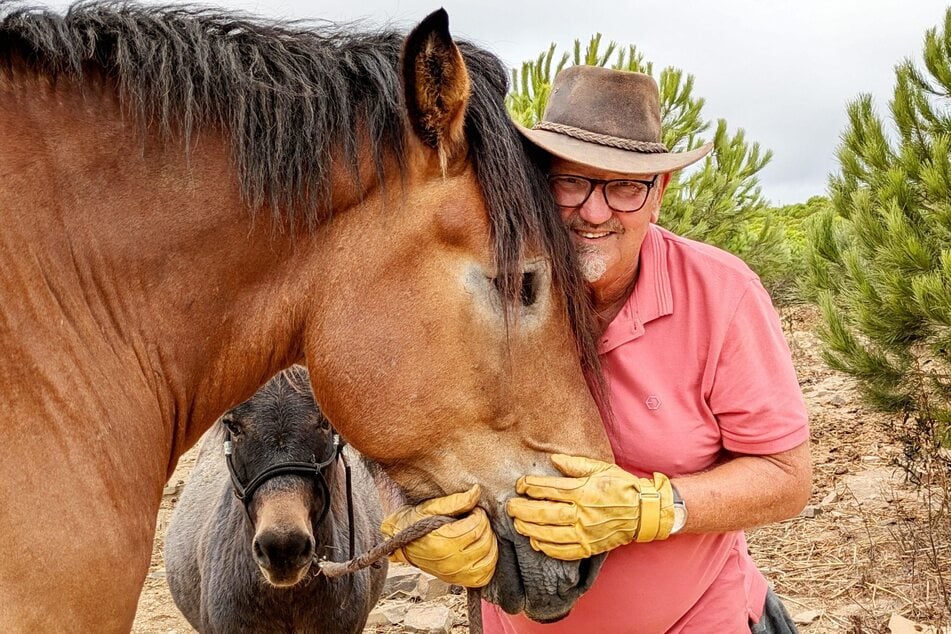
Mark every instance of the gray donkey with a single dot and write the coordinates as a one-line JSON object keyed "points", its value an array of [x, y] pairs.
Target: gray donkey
{"points": [[266, 497]]}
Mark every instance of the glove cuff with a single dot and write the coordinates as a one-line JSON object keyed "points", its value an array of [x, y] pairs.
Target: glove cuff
{"points": [[656, 518]]}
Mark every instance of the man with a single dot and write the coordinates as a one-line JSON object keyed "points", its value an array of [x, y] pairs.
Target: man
{"points": [[707, 422]]}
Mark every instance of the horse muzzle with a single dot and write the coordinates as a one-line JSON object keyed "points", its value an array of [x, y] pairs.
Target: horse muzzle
{"points": [[528, 581]]}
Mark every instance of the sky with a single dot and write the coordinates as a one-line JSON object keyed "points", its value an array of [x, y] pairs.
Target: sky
{"points": [[782, 70]]}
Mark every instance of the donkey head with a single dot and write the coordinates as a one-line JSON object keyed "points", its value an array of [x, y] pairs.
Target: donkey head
{"points": [[278, 446]]}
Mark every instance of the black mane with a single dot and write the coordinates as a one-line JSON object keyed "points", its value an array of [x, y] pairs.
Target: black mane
{"points": [[292, 96]]}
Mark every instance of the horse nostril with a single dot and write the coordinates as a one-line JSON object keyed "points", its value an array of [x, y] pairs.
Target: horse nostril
{"points": [[283, 550], [259, 554]]}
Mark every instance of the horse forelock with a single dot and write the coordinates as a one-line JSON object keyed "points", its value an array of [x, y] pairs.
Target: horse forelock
{"points": [[319, 87], [519, 202]]}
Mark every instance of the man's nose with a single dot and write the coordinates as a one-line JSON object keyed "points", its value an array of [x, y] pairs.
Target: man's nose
{"points": [[595, 210]]}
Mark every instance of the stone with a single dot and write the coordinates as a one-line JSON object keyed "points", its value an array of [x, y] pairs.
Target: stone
{"points": [[389, 613], [807, 617], [869, 485], [377, 618], [429, 587], [811, 511], [898, 624], [401, 579], [831, 498], [172, 490], [428, 620]]}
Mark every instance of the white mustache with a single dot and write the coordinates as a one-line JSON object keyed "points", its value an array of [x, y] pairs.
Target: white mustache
{"points": [[576, 223]]}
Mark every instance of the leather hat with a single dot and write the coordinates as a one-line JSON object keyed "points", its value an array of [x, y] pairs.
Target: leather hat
{"points": [[610, 120]]}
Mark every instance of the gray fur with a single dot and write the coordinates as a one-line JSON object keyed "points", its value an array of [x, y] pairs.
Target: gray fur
{"points": [[214, 579]]}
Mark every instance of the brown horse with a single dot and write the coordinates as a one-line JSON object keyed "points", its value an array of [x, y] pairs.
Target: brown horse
{"points": [[191, 201]]}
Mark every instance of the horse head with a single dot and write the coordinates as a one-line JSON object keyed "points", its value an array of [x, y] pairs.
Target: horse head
{"points": [[456, 339]]}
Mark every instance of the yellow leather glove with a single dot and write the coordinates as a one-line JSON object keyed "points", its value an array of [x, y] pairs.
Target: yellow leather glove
{"points": [[598, 507], [463, 552]]}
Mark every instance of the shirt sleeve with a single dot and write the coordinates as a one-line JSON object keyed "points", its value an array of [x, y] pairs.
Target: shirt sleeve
{"points": [[755, 394]]}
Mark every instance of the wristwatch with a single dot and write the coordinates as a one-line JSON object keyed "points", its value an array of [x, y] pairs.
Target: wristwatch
{"points": [[680, 512]]}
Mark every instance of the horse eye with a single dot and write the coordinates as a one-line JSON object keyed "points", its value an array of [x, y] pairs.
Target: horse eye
{"points": [[528, 292], [529, 288]]}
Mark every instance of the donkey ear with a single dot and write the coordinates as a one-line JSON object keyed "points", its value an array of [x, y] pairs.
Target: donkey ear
{"points": [[436, 84]]}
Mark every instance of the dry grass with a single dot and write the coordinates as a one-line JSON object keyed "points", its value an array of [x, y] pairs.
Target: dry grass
{"points": [[869, 552]]}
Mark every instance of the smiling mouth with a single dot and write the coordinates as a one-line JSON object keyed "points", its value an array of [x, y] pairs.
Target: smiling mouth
{"points": [[592, 235]]}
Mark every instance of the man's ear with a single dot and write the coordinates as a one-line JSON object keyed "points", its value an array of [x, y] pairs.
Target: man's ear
{"points": [[436, 87], [663, 180]]}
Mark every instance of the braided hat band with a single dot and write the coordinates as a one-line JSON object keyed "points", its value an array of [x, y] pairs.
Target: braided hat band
{"points": [[632, 145]]}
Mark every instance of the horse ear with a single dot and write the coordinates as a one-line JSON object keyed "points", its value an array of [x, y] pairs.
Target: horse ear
{"points": [[436, 86]]}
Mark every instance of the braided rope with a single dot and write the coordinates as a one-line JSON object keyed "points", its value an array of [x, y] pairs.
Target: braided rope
{"points": [[648, 147], [385, 548], [389, 546]]}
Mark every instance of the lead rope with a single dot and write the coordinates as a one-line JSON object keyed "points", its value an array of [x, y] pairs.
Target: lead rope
{"points": [[388, 546], [351, 537]]}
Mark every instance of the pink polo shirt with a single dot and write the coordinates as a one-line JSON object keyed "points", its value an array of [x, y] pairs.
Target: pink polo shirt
{"points": [[696, 363]]}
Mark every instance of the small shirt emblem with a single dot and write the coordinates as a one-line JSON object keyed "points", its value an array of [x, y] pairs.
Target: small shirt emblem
{"points": [[652, 402]]}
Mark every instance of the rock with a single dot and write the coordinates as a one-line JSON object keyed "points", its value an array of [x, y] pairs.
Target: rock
{"points": [[900, 625], [401, 580], [172, 490], [157, 574], [428, 620], [871, 459], [429, 587], [807, 617], [837, 401], [389, 613], [831, 498], [377, 618], [811, 511], [841, 470], [869, 486]]}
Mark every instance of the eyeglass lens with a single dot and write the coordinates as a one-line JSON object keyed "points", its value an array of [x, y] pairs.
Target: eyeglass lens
{"points": [[621, 195]]}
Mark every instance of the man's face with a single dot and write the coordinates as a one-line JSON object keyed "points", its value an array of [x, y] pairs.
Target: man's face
{"points": [[608, 241]]}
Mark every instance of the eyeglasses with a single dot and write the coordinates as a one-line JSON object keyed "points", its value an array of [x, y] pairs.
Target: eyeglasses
{"points": [[621, 194]]}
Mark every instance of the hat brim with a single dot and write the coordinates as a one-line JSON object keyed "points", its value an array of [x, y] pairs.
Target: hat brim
{"points": [[612, 159]]}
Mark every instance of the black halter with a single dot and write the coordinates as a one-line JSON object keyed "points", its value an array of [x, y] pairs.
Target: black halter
{"points": [[245, 492]]}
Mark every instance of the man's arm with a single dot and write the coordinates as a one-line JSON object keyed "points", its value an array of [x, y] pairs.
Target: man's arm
{"points": [[747, 491], [598, 506]]}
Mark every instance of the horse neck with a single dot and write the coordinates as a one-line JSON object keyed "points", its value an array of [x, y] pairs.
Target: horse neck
{"points": [[143, 255]]}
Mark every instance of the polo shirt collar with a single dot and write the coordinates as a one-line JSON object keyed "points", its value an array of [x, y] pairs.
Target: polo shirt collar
{"points": [[650, 299]]}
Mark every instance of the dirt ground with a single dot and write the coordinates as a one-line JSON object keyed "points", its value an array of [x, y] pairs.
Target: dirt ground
{"points": [[859, 554]]}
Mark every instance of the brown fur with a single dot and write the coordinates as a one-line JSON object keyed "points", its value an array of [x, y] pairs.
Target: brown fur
{"points": [[437, 87], [138, 303]]}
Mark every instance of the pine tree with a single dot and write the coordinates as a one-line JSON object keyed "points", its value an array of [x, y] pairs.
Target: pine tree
{"points": [[720, 202], [880, 255]]}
